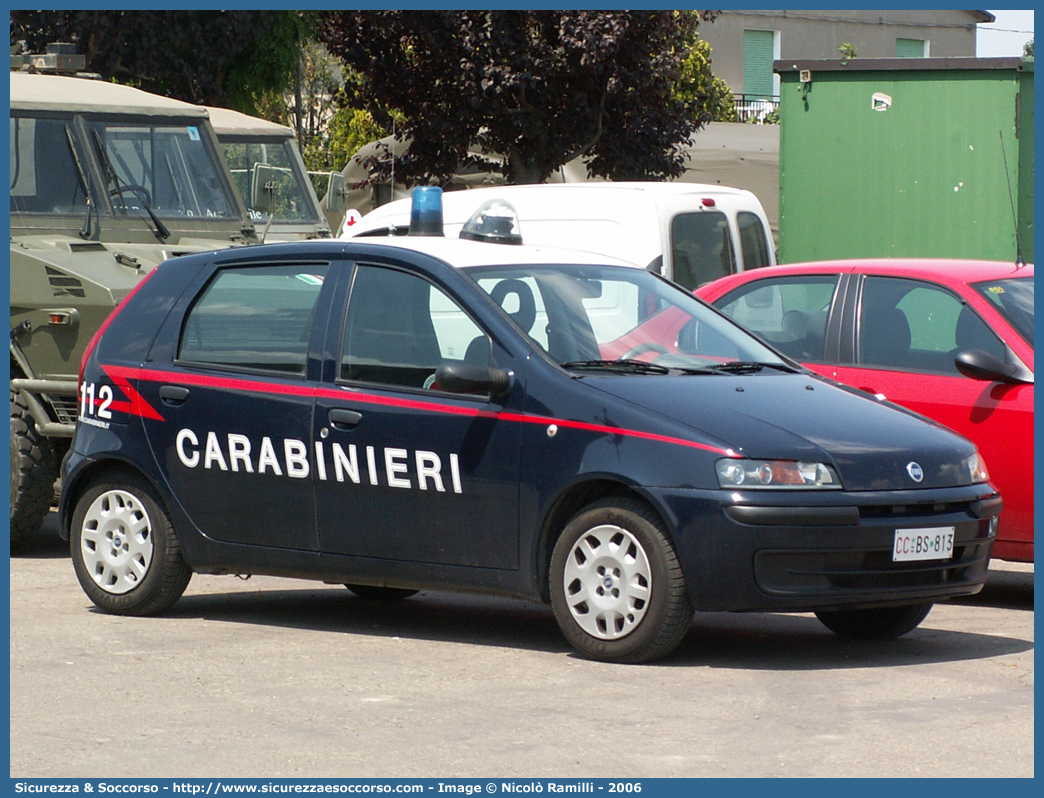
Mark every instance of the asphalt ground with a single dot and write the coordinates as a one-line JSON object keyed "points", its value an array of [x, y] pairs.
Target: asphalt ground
{"points": [[279, 678]]}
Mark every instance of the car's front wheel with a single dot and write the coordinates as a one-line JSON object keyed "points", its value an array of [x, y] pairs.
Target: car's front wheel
{"points": [[883, 623], [124, 549], [617, 588]]}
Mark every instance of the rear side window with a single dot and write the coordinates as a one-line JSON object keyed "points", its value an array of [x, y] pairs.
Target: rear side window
{"points": [[701, 247], [753, 240], [257, 318], [789, 313]]}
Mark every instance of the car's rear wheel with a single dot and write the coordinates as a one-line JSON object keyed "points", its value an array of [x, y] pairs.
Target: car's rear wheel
{"points": [[617, 588], [34, 469], [375, 593], [883, 623], [124, 549]]}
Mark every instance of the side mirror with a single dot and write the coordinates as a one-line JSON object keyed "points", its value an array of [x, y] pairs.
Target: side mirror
{"points": [[263, 188], [336, 198], [459, 377], [980, 365]]}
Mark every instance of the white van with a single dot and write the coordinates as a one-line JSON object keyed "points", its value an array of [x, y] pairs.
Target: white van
{"points": [[689, 232]]}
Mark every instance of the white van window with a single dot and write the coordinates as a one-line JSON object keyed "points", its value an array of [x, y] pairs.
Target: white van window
{"points": [[753, 241], [701, 247]]}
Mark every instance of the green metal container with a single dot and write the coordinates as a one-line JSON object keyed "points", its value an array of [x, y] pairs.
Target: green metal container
{"points": [[927, 157]]}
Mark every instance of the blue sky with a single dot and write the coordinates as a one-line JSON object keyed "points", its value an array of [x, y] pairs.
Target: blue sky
{"points": [[1006, 36]]}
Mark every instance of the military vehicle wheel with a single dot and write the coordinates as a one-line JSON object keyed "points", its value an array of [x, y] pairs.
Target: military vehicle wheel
{"points": [[34, 468]]}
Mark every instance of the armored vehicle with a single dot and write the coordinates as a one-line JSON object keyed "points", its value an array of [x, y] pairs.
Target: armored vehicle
{"points": [[106, 183]]}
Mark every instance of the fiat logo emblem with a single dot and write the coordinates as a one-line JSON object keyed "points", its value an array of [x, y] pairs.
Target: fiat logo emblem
{"points": [[915, 471]]}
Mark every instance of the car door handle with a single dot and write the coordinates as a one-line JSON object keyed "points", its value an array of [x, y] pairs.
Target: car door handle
{"points": [[339, 417], [173, 394]]}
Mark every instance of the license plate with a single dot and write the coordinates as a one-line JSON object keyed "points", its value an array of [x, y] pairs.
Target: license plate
{"points": [[931, 543]]}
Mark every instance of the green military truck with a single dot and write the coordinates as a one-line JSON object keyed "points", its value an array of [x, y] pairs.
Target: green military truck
{"points": [[106, 182], [267, 168]]}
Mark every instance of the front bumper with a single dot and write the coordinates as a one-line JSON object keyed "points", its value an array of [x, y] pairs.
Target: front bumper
{"points": [[802, 551]]}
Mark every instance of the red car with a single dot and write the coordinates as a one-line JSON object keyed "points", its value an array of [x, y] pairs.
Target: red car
{"points": [[950, 339]]}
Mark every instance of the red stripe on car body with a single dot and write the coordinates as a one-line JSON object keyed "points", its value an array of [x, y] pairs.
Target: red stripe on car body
{"points": [[121, 376]]}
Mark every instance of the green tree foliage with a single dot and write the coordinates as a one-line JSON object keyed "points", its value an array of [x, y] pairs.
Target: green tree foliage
{"points": [[226, 58], [539, 87], [1027, 49], [699, 86]]}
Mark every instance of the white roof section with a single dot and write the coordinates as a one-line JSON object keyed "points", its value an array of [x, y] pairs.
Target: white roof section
{"points": [[620, 219], [227, 122], [544, 201], [82, 95], [464, 254]]}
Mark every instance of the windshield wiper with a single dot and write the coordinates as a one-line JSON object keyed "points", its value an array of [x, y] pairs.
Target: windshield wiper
{"points": [[749, 367], [161, 232], [88, 227], [623, 366]]}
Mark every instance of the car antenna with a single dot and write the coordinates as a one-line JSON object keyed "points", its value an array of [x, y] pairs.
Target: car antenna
{"points": [[1011, 198]]}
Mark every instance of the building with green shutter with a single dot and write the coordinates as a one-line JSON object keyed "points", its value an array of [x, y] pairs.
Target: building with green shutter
{"points": [[744, 44]]}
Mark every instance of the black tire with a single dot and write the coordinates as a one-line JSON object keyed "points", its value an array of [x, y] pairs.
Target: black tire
{"points": [[883, 623], [124, 549], [617, 588], [34, 468], [374, 593]]}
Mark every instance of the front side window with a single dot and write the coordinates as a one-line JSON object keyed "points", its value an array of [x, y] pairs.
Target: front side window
{"points": [[169, 167], [702, 248], [44, 179], [790, 313], [911, 325], [400, 328], [257, 318], [292, 203]]}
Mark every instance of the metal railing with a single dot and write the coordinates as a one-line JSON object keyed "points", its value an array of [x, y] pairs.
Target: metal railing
{"points": [[755, 107]]}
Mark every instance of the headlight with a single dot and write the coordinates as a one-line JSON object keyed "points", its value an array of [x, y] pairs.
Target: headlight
{"points": [[974, 468], [775, 474]]}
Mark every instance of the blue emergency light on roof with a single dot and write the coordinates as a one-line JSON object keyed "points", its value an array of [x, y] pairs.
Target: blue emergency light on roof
{"points": [[426, 211], [495, 222]]}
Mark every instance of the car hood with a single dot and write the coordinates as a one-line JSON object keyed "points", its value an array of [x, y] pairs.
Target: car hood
{"points": [[770, 414]]}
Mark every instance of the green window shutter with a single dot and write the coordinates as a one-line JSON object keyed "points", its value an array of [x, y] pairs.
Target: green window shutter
{"points": [[757, 63], [909, 48]]}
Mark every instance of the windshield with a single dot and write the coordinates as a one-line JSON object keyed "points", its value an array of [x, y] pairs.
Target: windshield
{"points": [[588, 317], [1013, 298], [167, 166], [292, 201], [44, 179]]}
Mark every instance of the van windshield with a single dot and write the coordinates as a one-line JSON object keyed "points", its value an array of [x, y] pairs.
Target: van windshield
{"points": [[594, 315]]}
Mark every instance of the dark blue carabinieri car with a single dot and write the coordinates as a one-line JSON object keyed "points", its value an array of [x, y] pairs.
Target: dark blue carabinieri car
{"points": [[424, 413]]}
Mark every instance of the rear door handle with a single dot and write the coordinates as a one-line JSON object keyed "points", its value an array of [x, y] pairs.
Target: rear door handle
{"points": [[173, 394], [346, 419]]}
